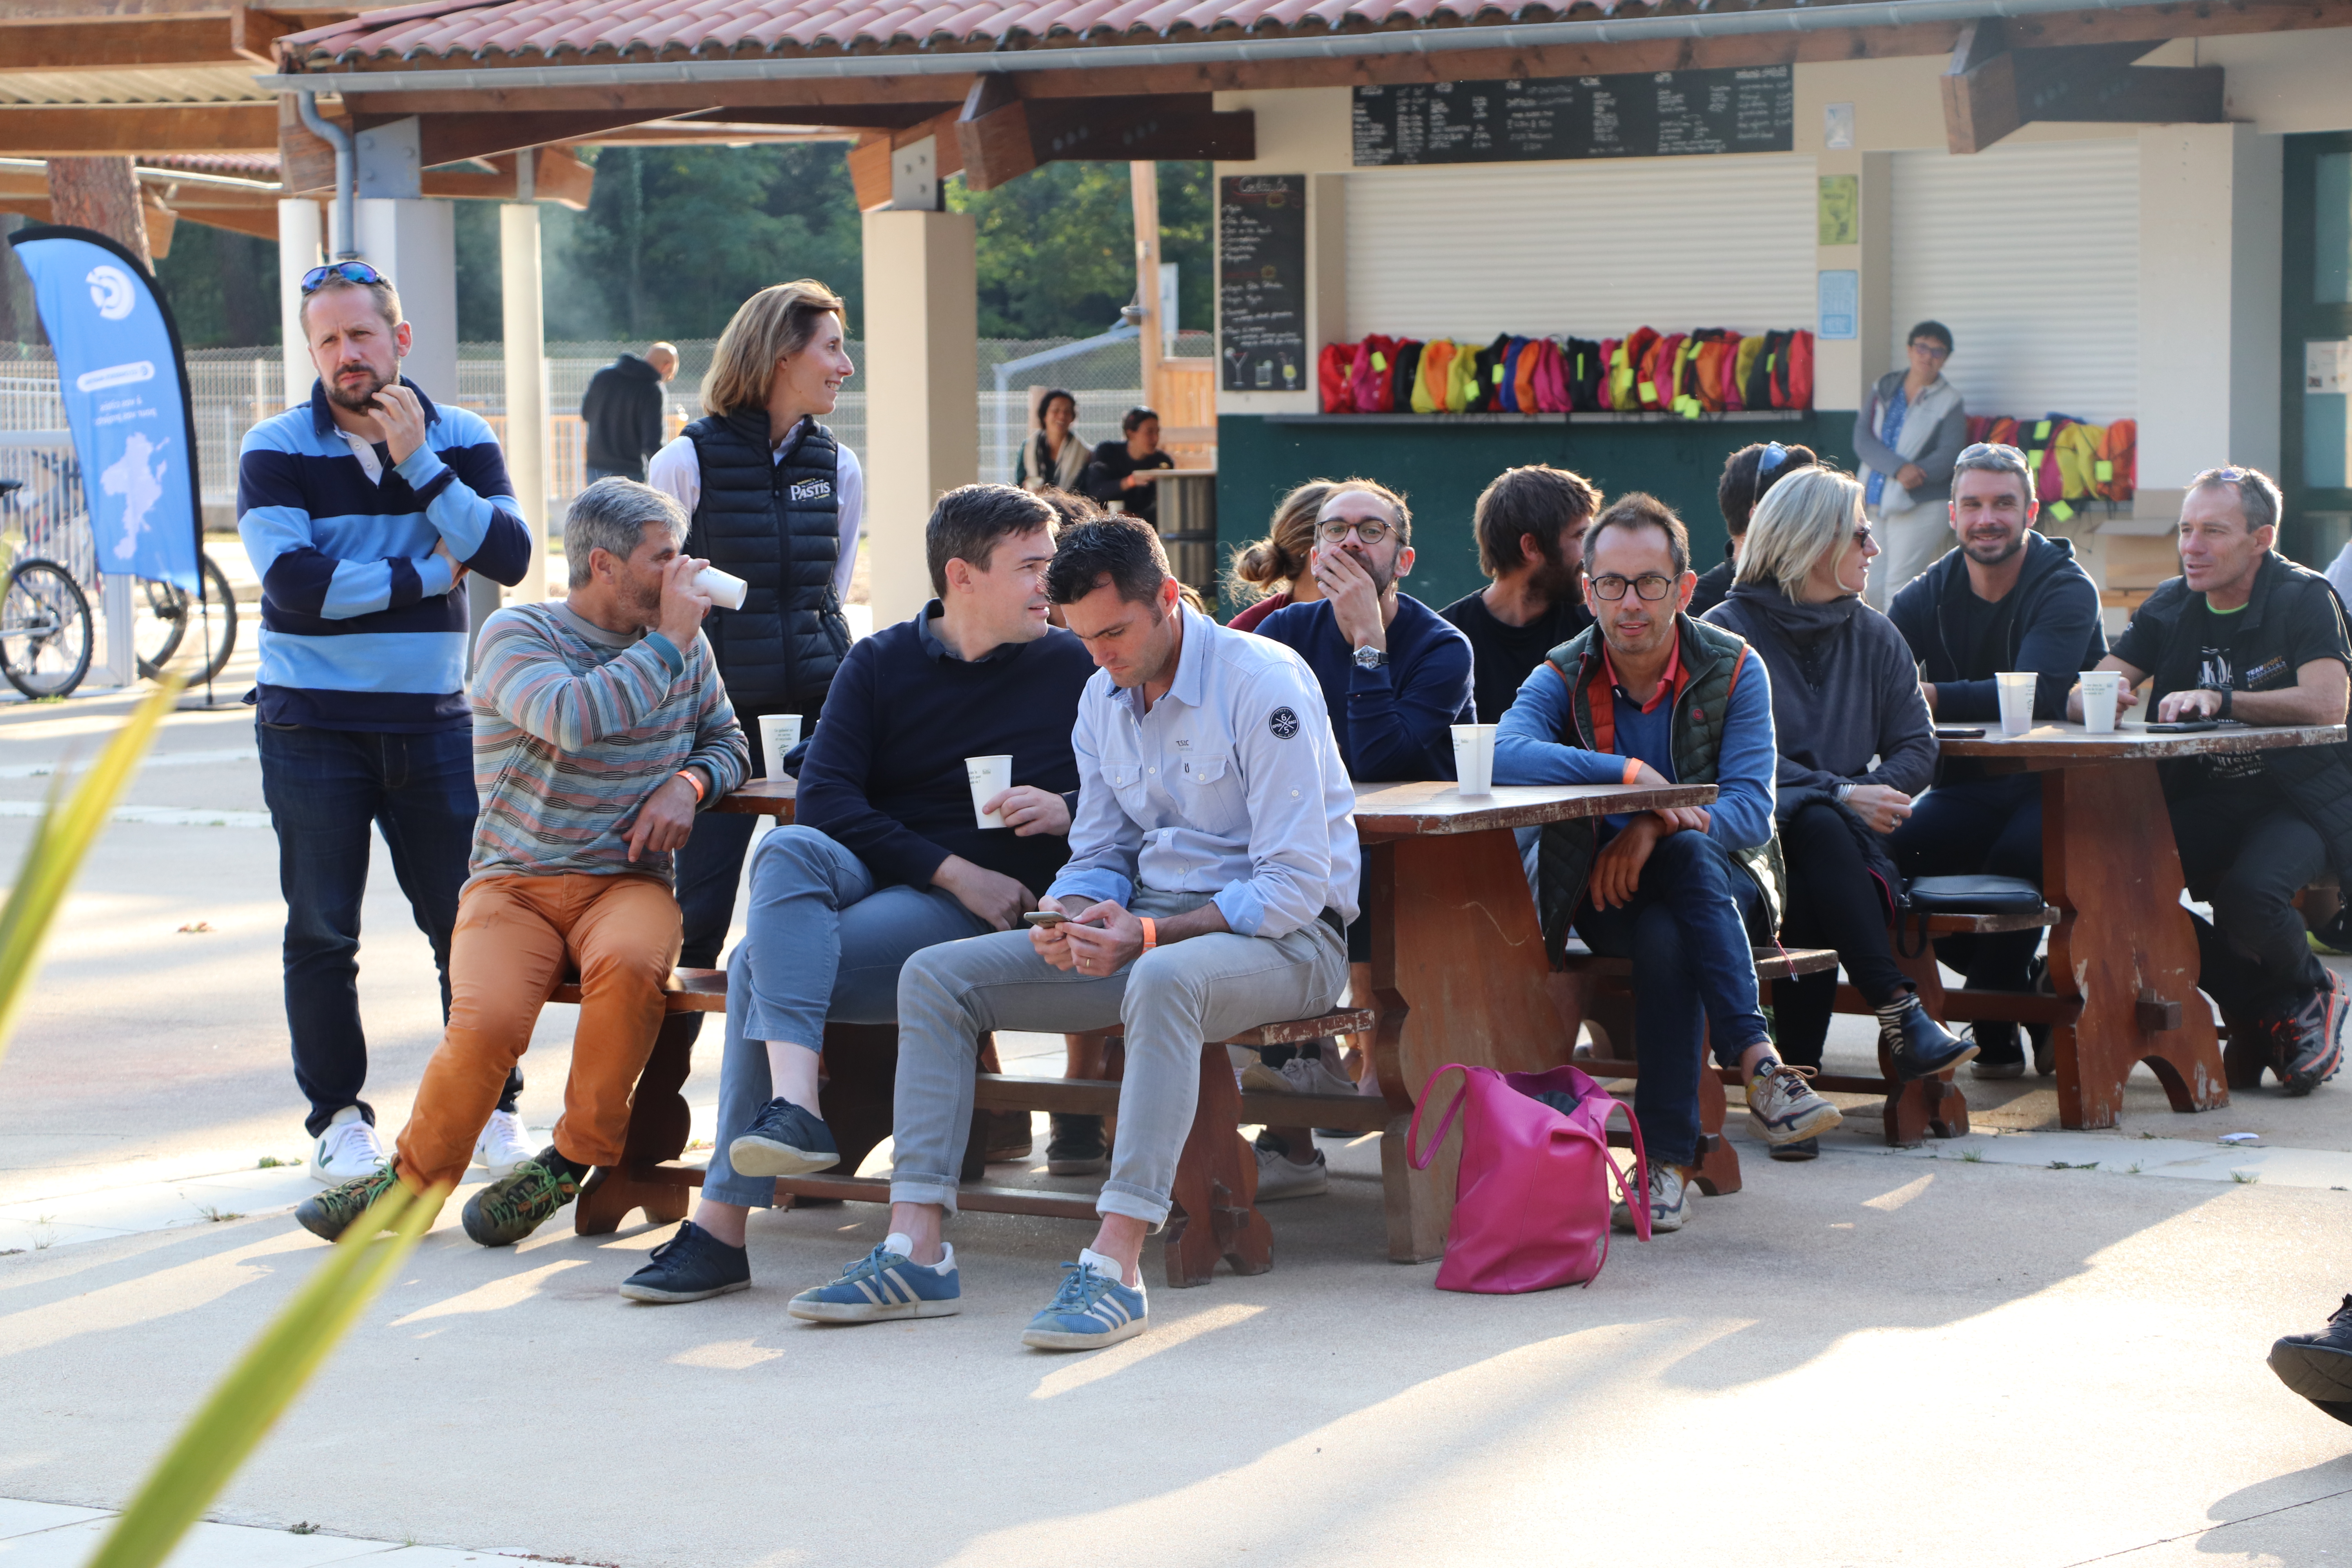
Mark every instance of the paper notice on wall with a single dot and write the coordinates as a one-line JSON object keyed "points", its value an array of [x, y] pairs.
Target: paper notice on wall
{"points": [[1838, 309], [2328, 366]]}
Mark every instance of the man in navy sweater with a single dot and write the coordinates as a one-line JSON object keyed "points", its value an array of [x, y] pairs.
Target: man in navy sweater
{"points": [[886, 856], [1396, 677]]}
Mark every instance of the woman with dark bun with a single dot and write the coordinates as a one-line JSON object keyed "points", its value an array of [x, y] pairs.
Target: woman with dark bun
{"points": [[1280, 568], [1746, 475]]}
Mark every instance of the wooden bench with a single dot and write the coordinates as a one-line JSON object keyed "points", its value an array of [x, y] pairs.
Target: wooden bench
{"points": [[1216, 1173], [1609, 1009]]}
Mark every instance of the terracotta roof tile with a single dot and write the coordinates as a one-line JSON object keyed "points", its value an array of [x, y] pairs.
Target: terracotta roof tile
{"points": [[528, 31]]}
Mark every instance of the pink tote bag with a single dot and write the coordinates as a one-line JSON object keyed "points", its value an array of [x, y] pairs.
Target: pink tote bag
{"points": [[1531, 1199]]}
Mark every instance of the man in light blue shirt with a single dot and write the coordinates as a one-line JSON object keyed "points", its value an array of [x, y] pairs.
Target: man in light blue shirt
{"points": [[1211, 876]]}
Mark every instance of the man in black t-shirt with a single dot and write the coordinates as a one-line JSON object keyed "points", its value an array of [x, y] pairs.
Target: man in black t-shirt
{"points": [[2245, 634], [1530, 524]]}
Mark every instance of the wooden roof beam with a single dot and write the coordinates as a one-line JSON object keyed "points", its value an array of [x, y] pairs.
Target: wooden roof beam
{"points": [[138, 130], [227, 36], [306, 163]]}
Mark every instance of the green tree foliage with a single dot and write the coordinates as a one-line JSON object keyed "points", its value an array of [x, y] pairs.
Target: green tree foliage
{"points": [[1057, 246], [222, 287]]}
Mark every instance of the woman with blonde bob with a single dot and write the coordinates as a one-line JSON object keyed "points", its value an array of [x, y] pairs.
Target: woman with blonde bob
{"points": [[1280, 568], [776, 500], [1844, 691]]}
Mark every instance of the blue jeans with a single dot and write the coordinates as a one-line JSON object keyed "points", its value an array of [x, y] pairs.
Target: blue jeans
{"points": [[710, 868], [821, 942], [1991, 827], [1686, 932], [324, 787]]}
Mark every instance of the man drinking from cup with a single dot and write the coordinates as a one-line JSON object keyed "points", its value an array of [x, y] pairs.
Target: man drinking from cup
{"points": [[1212, 873], [2006, 603], [893, 849], [1648, 695], [1396, 677], [2245, 634]]}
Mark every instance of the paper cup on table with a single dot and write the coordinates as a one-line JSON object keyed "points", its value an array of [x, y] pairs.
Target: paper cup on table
{"points": [[2100, 689], [725, 588], [1474, 758], [779, 734], [2016, 701], [991, 776]]}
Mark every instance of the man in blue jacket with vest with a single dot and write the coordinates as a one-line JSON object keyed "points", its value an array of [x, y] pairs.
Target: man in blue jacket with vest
{"points": [[1647, 695], [2006, 599], [363, 510]]}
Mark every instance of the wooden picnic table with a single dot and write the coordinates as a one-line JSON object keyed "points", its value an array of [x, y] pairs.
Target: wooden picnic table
{"points": [[2124, 947]]}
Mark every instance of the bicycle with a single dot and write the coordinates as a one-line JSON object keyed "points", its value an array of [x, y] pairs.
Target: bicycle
{"points": [[46, 633]]}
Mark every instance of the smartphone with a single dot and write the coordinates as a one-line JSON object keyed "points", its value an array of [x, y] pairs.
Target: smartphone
{"points": [[1959, 732], [2184, 726], [1044, 917]]}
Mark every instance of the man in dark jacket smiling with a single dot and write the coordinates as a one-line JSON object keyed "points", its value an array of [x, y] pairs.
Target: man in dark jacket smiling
{"points": [[2006, 599]]}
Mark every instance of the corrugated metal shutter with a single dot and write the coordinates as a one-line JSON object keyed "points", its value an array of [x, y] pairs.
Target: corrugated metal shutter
{"points": [[1589, 248], [2031, 255]]}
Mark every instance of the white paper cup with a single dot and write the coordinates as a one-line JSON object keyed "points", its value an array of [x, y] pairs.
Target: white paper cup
{"points": [[2100, 689], [991, 776], [2016, 701], [779, 734], [725, 588], [1474, 758]]}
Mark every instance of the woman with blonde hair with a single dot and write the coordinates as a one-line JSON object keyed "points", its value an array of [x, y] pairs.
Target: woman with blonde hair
{"points": [[776, 500], [1280, 568], [1844, 691]]}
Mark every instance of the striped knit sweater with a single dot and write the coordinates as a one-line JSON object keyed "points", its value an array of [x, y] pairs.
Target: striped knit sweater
{"points": [[575, 726], [362, 627]]}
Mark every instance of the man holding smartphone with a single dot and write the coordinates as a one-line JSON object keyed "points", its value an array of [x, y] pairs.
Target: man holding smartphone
{"points": [[1212, 873], [2245, 634], [2007, 598]]}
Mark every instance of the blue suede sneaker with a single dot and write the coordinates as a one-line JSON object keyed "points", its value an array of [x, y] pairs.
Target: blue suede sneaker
{"points": [[1091, 1310], [783, 1140], [692, 1266], [883, 1285]]}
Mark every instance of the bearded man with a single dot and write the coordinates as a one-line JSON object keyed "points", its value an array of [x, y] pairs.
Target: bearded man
{"points": [[362, 510], [1530, 524]]}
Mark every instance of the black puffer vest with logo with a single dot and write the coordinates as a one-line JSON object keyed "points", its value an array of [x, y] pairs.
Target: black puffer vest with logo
{"points": [[777, 525]]}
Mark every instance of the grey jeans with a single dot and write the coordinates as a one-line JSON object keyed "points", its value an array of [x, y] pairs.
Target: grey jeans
{"points": [[1170, 1001]]}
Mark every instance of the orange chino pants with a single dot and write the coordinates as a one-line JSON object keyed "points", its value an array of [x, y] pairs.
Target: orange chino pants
{"points": [[513, 938]]}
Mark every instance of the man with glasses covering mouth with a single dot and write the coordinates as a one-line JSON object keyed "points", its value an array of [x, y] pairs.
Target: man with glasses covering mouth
{"points": [[2005, 598], [362, 510], [1650, 696]]}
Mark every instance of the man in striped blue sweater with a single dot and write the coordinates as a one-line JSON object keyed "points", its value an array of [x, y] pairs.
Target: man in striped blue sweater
{"points": [[363, 510]]}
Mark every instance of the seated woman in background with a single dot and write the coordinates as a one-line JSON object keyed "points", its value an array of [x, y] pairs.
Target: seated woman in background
{"points": [[1126, 471], [1844, 691], [1748, 474], [1280, 568], [1053, 457]]}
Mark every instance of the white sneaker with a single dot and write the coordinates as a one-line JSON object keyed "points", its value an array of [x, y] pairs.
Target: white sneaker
{"points": [[1669, 1197], [1280, 1176], [504, 1144], [1300, 1075], [348, 1148]]}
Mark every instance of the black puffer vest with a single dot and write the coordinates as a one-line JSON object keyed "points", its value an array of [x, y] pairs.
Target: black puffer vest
{"points": [[777, 525]]}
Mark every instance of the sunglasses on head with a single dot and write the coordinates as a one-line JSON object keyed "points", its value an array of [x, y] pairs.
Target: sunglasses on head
{"points": [[1770, 457], [349, 271]]}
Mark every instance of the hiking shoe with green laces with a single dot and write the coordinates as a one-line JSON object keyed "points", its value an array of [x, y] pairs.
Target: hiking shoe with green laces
{"points": [[327, 1213], [506, 1210]]}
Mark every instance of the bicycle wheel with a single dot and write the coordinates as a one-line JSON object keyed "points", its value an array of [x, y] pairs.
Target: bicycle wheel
{"points": [[211, 626], [45, 630], [159, 622]]}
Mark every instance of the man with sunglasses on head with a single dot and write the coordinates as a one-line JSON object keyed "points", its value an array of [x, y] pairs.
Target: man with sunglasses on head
{"points": [[2007, 598], [362, 510], [1396, 677], [1907, 434], [1649, 696], [2245, 633]]}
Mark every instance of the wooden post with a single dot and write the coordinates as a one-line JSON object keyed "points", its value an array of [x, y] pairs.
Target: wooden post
{"points": [[1146, 179], [101, 193], [526, 365]]}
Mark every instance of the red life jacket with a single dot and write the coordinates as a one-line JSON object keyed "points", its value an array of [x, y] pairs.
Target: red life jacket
{"points": [[1551, 379], [1793, 386], [1657, 388], [1374, 374], [1333, 371]]}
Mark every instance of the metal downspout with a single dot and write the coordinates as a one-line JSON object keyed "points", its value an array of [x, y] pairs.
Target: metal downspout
{"points": [[306, 103]]}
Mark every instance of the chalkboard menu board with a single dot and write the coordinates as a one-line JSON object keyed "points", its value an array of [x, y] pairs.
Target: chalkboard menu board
{"points": [[1262, 282], [1661, 114]]}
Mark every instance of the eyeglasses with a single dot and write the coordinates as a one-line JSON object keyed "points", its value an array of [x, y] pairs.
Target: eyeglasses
{"points": [[1770, 457], [1862, 538], [1980, 449], [1649, 585], [1931, 348], [1371, 530], [349, 271]]}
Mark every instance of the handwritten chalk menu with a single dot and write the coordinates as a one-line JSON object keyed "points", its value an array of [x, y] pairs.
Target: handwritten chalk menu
{"points": [[1663, 114], [1262, 282]]}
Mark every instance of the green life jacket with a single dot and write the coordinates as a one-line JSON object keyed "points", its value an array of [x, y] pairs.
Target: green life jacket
{"points": [[1711, 657]]}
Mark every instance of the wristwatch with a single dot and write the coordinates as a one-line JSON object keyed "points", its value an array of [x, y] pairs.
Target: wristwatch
{"points": [[1371, 658], [1844, 790]]}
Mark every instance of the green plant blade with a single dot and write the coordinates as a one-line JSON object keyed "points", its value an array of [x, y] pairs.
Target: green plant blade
{"points": [[265, 1382], [61, 842]]}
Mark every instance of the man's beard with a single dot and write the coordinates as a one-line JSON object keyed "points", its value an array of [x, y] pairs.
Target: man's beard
{"points": [[1555, 581], [1974, 552], [357, 401], [1384, 577]]}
